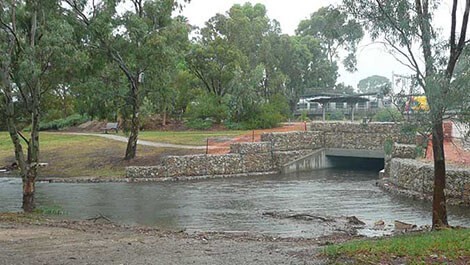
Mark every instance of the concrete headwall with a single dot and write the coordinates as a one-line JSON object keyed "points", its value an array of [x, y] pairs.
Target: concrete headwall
{"points": [[312, 161]]}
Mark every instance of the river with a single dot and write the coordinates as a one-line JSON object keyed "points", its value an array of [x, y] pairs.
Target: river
{"points": [[234, 204]]}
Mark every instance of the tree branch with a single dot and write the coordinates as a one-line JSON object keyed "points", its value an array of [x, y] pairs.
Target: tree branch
{"points": [[404, 37], [456, 49], [453, 26]]}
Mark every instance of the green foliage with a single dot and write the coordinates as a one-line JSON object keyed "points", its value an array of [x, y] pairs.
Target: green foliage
{"points": [[199, 124], [420, 150], [207, 106], [388, 115], [58, 124], [336, 30], [336, 115], [453, 244], [267, 117], [304, 116], [234, 125], [50, 210], [242, 56], [388, 146]]}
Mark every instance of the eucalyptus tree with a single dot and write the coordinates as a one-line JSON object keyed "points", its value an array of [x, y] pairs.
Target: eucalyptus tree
{"points": [[375, 84], [337, 32], [242, 54], [303, 61], [141, 41], [37, 47], [406, 26]]}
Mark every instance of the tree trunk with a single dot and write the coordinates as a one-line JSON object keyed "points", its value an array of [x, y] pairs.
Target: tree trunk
{"points": [[28, 190], [131, 149], [164, 118], [439, 212]]}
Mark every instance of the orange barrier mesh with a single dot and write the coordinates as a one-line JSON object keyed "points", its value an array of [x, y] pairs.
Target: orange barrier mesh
{"points": [[221, 145]]}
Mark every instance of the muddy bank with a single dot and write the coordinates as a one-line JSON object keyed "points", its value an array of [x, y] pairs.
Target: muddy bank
{"points": [[90, 242]]}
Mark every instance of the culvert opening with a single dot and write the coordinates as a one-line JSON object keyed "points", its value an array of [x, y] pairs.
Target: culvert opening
{"points": [[342, 162]]}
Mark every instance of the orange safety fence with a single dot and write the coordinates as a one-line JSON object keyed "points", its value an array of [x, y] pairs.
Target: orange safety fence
{"points": [[221, 145]]}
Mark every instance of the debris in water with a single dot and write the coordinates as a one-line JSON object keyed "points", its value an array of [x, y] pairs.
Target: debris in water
{"points": [[399, 225]]}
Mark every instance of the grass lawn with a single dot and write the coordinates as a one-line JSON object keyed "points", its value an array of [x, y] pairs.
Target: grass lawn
{"points": [[82, 156], [441, 247], [187, 137]]}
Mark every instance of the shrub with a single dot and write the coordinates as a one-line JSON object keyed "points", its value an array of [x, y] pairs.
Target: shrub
{"points": [[336, 115], [199, 124], [234, 125], [388, 146], [303, 116], [207, 107], [268, 116], [58, 124], [388, 115]]}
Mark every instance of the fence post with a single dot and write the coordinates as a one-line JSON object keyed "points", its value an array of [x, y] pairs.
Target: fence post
{"points": [[253, 136], [207, 146], [305, 125]]}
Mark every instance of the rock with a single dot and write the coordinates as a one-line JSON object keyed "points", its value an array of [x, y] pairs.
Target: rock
{"points": [[403, 226], [353, 220], [379, 222], [379, 225]]}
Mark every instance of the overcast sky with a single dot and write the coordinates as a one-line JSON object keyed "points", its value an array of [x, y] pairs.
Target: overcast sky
{"points": [[372, 58]]}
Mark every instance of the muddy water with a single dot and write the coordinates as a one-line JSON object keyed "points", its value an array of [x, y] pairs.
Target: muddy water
{"points": [[235, 205]]}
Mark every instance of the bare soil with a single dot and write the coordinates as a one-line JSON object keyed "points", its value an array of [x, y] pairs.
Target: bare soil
{"points": [[89, 242]]}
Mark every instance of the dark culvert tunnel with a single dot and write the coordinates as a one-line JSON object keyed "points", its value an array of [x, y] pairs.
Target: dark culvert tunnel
{"points": [[356, 163]]}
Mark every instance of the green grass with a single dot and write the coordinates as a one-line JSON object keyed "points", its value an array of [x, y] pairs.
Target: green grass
{"points": [[442, 247], [50, 210], [84, 156], [187, 137]]}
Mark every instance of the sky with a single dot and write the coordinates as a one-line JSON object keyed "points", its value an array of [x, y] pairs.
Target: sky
{"points": [[373, 59]]}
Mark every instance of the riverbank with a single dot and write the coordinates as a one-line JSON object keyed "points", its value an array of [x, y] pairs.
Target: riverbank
{"points": [[26, 239], [37, 239], [89, 156]]}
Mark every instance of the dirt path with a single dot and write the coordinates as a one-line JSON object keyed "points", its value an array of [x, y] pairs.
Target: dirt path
{"points": [[69, 242]]}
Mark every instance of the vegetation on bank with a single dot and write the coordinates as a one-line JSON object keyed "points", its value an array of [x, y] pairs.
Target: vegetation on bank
{"points": [[451, 246], [83, 156]]}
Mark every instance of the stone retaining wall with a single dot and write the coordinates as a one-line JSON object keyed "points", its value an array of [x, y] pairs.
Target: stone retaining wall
{"points": [[406, 175], [418, 176], [294, 141], [348, 135], [202, 165], [275, 150]]}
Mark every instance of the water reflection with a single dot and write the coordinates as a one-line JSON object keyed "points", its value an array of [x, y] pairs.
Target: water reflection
{"points": [[234, 204]]}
